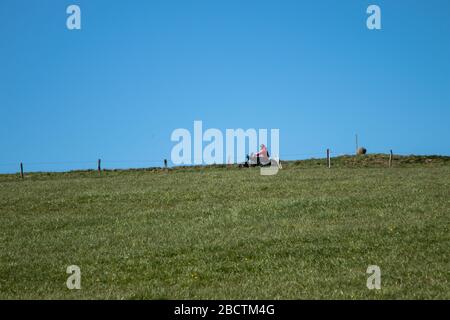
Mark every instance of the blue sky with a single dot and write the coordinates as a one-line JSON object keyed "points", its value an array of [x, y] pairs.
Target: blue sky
{"points": [[137, 70]]}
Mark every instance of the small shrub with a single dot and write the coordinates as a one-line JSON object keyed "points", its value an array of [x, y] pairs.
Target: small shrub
{"points": [[362, 150]]}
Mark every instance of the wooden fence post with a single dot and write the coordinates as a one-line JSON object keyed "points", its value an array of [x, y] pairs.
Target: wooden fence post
{"points": [[390, 159], [21, 170], [99, 165], [328, 159], [165, 164]]}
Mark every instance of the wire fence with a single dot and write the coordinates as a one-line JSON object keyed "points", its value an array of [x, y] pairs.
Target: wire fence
{"points": [[60, 166], [111, 164]]}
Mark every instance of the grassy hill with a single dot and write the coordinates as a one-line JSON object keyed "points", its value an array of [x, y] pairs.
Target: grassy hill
{"points": [[230, 233]]}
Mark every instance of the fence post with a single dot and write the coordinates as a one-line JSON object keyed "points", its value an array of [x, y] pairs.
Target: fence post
{"points": [[21, 170], [165, 164], [390, 159], [99, 165], [328, 159]]}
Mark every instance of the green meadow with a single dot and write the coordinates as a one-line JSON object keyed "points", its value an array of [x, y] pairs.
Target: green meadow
{"points": [[217, 232]]}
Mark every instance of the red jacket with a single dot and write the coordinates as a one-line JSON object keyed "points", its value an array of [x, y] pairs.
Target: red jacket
{"points": [[262, 152]]}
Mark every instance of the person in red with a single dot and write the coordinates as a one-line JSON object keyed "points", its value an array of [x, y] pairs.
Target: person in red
{"points": [[262, 156]]}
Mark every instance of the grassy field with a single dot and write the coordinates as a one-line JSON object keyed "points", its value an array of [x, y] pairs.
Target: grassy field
{"points": [[229, 233]]}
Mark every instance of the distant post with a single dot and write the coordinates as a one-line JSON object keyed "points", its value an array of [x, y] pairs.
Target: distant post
{"points": [[99, 165], [21, 170], [165, 164], [356, 140], [328, 159], [390, 159]]}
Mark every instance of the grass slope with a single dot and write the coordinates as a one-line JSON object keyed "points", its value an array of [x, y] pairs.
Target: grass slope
{"points": [[228, 233]]}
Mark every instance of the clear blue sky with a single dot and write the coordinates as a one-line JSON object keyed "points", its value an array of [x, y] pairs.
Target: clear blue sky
{"points": [[140, 69]]}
